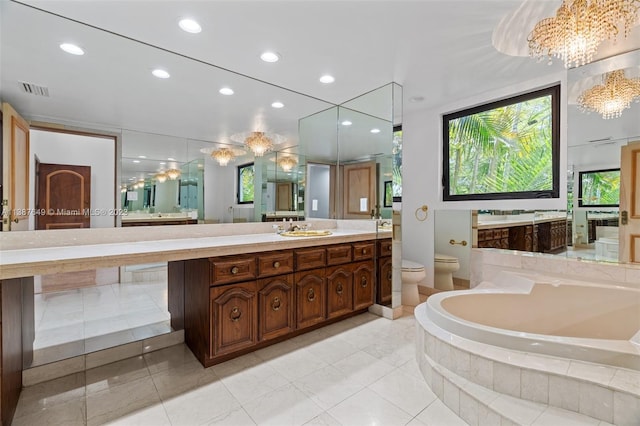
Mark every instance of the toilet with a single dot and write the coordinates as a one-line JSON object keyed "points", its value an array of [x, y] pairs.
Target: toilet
{"points": [[444, 267], [412, 274]]}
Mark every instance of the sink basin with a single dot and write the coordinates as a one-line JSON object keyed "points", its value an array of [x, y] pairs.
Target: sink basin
{"points": [[305, 233]]}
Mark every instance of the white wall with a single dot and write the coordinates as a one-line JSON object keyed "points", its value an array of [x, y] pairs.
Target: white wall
{"points": [[422, 169], [219, 191], [78, 150], [318, 183]]}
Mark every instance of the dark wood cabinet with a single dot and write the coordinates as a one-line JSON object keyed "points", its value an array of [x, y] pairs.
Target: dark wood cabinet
{"points": [[234, 322], [275, 306], [310, 291], [339, 291], [385, 274], [363, 285], [231, 305]]}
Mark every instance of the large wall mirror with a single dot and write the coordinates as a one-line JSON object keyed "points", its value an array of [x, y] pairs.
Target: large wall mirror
{"points": [[166, 131], [589, 227]]}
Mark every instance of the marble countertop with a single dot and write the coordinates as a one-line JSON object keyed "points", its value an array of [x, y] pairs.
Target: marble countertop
{"points": [[78, 250], [155, 218]]}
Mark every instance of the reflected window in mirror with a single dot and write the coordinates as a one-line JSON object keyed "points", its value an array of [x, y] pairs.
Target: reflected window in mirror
{"points": [[246, 179], [507, 149], [599, 188], [397, 165]]}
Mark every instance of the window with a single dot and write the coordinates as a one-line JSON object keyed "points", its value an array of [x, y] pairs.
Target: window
{"points": [[599, 188], [246, 175], [506, 149]]}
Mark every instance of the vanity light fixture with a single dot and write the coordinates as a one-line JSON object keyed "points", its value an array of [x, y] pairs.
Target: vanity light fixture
{"points": [[346, 123], [327, 79], [160, 73], [161, 177], [227, 91], [277, 105], [190, 26], [375, 130], [612, 97], [173, 174], [579, 27], [270, 57], [72, 49], [287, 163]]}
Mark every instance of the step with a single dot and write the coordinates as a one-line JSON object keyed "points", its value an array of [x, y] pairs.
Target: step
{"points": [[603, 392]]}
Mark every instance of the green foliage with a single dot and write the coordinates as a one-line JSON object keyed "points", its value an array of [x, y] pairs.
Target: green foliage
{"points": [[506, 149], [602, 188], [246, 183]]}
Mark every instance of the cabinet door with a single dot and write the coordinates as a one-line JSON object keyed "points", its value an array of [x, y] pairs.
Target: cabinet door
{"points": [[362, 285], [275, 306], [310, 294], [339, 291], [384, 280], [234, 323]]}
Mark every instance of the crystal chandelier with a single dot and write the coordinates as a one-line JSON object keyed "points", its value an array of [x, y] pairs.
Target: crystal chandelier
{"points": [[612, 97], [173, 174], [287, 163], [579, 27], [223, 156], [259, 143], [161, 177]]}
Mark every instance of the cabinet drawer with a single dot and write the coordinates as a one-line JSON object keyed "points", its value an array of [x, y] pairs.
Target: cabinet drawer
{"points": [[275, 263], [310, 258], [337, 255], [362, 251], [497, 234], [384, 248], [232, 269]]}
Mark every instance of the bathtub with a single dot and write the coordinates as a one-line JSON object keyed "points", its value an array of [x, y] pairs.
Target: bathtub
{"points": [[582, 321]]}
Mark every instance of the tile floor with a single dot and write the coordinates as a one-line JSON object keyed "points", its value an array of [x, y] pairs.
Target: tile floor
{"points": [[360, 371], [74, 322]]}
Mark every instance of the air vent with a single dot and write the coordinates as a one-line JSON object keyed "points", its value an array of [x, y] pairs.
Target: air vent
{"points": [[34, 89]]}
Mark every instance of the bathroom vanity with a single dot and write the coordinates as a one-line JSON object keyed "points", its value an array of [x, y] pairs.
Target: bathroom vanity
{"points": [[544, 235]]}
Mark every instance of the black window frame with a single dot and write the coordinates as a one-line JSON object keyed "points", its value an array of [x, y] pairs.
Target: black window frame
{"points": [[238, 181], [583, 172], [554, 192]]}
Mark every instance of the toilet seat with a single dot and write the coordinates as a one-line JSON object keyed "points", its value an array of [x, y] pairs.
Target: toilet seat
{"points": [[410, 266], [443, 258]]}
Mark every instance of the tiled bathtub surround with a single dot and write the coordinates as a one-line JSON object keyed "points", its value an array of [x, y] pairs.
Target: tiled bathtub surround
{"points": [[488, 263], [479, 381]]}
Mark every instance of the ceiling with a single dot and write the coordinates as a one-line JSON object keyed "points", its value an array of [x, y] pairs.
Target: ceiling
{"points": [[438, 50]]}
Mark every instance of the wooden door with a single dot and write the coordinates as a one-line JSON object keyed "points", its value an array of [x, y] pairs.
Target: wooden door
{"points": [[284, 196], [310, 291], [629, 228], [63, 198], [234, 321], [362, 285], [339, 291], [275, 306], [359, 190], [15, 171]]}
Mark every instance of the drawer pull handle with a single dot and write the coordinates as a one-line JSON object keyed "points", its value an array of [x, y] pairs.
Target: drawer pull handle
{"points": [[364, 251], [311, 295], [363, 282], [275, 303], [235, 314], [339, 288], [276, 264], [235, 270], [389, 275]]}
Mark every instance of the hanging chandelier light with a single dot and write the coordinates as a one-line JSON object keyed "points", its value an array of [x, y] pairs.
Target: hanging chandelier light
{"points": [[579, 27], [173, 174], [258, 143], [287, 163], [161, 177], [223, 155], [612, 97]]}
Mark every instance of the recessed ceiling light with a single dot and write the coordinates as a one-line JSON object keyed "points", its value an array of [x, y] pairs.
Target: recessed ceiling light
{"points": [[72, 48], [136, 161], [160, 73], [326, 79], [416, 99], [270, 57], [226, 91], [346, 123], [142, 156], [277, 105], [375, 130], [190, 26], [171, 159], [162, 163]]}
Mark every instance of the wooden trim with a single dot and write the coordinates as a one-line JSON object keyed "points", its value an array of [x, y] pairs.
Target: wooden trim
{"points": [[58, 128], [635, 153], [634, 257], [16, 122], [68, 225], [48, 194]]}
